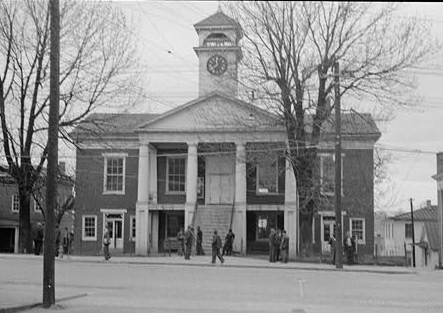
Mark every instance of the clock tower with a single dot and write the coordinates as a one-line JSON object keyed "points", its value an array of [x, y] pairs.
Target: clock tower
{"points": [[219, 54]]}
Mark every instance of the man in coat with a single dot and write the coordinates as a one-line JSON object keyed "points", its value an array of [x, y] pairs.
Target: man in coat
{"points": [[216, 246], [106, 242], [284, 247], [189, 239], [229, 240], [199, 241], [38, 238], [272, 246]]}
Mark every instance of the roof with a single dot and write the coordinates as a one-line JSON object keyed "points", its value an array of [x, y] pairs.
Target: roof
{"points": [[351, 123], [113, 123], [217, 19], [354, 124], [432, 233], [422, 215]]}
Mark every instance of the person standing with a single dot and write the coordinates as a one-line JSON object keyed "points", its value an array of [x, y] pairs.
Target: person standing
{"points": [[199, 241], [189, 237], [57, 240], [349, 251], [181, 241], [278, 239], [106, 243], [272, 246], [216, 246], [229, 240], [333, 243], [66, 241], [284, 247], [38, 238]]}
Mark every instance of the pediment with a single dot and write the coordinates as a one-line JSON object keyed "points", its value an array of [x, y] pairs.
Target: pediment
{"points": [[212, 112]]}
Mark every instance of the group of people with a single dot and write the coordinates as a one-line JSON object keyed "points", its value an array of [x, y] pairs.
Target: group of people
{"points": [[62, 244], [278, 246], [349, 248], [186, 240]]}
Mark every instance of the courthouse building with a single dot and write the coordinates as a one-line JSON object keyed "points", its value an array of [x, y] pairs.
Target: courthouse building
{"points": [[216, 162]]}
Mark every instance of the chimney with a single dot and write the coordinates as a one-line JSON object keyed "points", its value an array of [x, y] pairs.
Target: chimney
{"points": [[62, 168], [439, 162], [428, 204]]}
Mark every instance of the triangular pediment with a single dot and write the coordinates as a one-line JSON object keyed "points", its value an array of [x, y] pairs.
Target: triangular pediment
{"points": [[213, 112]]}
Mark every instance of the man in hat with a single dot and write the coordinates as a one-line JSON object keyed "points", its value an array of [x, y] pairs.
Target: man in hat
{"points": [[189, 239], [216, 246]]}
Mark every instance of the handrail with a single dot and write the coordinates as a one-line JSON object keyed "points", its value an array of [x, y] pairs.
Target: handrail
{"points": [[232, 213]]}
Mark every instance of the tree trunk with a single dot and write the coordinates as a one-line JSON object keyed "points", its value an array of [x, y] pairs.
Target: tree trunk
{"points": [[25, 238]]}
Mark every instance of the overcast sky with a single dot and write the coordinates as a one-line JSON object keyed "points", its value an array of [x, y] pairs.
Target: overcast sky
{"points": [[166, 40]]}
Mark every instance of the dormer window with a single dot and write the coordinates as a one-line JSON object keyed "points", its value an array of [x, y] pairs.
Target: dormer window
{"points": [[217, 40]]}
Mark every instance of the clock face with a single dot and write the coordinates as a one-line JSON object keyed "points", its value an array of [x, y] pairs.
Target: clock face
{"points": [[217, 65]]}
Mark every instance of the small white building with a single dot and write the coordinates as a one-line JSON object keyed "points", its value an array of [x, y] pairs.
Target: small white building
{"points": [[397, 236]]}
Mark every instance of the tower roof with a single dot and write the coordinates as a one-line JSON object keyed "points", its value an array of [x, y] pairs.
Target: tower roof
{"points": [[218, 19]]}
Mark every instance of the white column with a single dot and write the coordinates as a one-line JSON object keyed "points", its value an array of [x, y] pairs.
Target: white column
{"points": [[191, 182], [291, 209], [440, 220], [152, 175], [141, 207], [239, 218]]}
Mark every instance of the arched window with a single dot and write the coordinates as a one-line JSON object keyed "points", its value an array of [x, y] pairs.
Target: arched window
{"points": [[217, 40]]}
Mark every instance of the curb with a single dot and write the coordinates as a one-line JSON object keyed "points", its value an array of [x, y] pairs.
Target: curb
{"points": [[35, 305], [352, 270]]}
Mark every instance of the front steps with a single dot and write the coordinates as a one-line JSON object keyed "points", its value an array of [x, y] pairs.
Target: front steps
{"points": [[209, 218]]}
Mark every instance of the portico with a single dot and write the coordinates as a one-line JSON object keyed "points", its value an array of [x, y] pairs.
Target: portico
{"points": [[224, 171]]}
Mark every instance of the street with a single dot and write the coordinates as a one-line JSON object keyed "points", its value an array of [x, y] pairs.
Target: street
{"points": [[117, 287]]}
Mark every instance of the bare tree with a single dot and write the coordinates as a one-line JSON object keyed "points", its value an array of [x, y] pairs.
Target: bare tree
{"points": [[97, 52], [290, 50]]}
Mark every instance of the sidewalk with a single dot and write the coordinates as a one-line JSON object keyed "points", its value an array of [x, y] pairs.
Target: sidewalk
{"points": [[14, 298]]}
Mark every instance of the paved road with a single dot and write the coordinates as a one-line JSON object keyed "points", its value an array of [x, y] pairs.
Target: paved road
{"points": [[116, 287]]}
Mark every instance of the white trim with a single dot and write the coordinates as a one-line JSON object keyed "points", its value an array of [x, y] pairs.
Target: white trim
{"points": [[113, 211], [13, 201], [351, 219], [330, 213], [84, 238], [36, 209], [106, 156]]}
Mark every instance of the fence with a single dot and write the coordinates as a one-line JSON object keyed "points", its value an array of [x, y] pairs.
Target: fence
{"points": [[395, 255]]}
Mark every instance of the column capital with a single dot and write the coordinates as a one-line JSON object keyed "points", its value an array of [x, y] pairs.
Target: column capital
{"points": [[240, 143], [192, 143]]}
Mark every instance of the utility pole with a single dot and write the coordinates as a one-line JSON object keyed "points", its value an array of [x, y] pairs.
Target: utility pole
{"points": [[52, 171], [413, 234], [339, 241]]}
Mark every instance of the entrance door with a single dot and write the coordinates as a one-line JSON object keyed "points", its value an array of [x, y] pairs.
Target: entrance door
{"points": [[328, 230], [221, 180], [115, 223]]}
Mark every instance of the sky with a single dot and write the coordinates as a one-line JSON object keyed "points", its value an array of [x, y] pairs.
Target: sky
{"points": [[166, 39]]}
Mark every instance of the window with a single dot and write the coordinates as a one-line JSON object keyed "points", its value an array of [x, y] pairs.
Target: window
{"points": [[217, 40], [89, 228], [327, 173], [114, 174], [265, 222], [267, 174], [36, 208], [176, 175], [132, 228], [358, 229], [15, 203], [408, 230]]}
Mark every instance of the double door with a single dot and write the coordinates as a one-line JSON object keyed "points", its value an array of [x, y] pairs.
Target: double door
{"points": [[220, 177], [115, 224]]}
